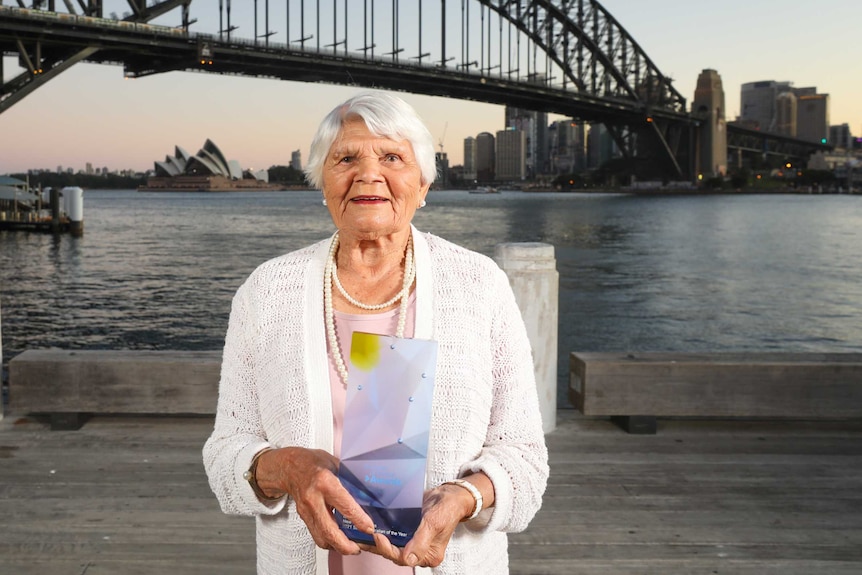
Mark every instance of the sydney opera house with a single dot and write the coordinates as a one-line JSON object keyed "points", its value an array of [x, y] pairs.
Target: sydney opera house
{"points": [[207, 171]]}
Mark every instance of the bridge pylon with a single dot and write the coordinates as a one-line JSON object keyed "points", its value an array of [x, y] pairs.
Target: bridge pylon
{"points": [[708, 108]]}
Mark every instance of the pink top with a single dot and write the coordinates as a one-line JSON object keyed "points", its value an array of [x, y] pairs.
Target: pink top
{"points": [[385, 323]]}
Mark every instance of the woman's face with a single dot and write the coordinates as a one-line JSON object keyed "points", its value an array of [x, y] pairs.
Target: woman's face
{"points": [[372, 185]]}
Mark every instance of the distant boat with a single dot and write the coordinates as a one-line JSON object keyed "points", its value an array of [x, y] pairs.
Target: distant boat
{"points": [[485, 190]]}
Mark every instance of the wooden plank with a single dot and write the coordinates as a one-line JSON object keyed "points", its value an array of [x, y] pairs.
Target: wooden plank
{"points": [[129, 495], [790, 385], [114, 381]]}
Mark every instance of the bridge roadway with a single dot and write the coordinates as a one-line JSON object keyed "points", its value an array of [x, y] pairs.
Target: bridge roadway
{"points": [[129, 495], [588, 67]]}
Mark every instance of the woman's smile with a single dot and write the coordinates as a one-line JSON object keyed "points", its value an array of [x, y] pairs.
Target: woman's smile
{"points": [[368, 200]]}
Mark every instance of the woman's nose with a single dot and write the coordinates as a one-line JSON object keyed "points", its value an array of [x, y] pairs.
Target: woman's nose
{"points": [[368, 170]]}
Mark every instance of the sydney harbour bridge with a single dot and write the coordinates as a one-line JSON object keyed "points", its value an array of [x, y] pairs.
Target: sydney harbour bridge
{"points": [[567, 57]]}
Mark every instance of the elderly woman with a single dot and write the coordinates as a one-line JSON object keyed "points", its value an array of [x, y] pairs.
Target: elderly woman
{"points": [[273, 452]]}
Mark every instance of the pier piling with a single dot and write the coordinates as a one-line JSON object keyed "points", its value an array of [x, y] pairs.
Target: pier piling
{"points": [[532, 271]]}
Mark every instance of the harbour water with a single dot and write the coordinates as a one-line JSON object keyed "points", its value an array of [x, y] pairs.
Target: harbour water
{"points": [[663, 273]]}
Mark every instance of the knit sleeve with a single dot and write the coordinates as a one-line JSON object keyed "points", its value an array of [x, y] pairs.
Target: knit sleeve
{"points": [[238, 432], [514, 455]]}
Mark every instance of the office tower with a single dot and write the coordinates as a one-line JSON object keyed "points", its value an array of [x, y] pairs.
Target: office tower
{"points": [[839, 136], [757, 100], [560, 163], [601, 147], [812, 117], [296, 160], [485, 157], [442, 161], [470, 158], [535, 128], [511, 164], [785, 113], [566, 146]]}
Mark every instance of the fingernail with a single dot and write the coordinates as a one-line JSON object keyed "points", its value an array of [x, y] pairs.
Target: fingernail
{"points": [[412, 560]]}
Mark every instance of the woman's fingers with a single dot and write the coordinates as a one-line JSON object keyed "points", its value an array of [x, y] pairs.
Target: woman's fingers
{"points": [[352, 511], [442, 511], [383, 547], [309, 477]]}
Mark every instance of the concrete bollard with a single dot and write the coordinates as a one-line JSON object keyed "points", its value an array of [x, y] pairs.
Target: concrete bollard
{"points": [[532, 271], [74, 200]]}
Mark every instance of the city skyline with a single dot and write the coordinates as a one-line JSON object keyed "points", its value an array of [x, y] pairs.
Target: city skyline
{"points": [[91, 114]]}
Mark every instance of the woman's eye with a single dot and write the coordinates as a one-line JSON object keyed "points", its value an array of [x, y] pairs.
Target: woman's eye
{"points": [[391, 157], [345, 160]]}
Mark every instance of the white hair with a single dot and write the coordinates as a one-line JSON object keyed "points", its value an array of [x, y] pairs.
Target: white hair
{"points": [[385, 115]]}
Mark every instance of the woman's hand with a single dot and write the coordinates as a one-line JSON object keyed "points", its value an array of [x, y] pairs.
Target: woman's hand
{"points": [[443, 508], [309, 476]]}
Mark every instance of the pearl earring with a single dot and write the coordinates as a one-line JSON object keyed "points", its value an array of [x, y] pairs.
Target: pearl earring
{"points": [[324, 201], [422, 204]]}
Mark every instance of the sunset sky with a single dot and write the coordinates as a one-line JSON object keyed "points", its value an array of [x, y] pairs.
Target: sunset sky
{"points": [[91, 114]]}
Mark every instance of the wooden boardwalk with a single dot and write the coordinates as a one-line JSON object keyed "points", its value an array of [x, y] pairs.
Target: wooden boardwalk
{"points": [[128, 496]]}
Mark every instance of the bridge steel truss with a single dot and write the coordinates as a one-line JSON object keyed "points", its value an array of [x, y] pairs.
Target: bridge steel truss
{"points": [[44, 58], [569, 57]]}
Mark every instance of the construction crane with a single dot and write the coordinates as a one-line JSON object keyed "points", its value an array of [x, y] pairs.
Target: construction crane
{"points": [[440, 141]]}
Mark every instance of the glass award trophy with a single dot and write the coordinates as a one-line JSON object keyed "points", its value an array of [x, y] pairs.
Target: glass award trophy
{"points": [[387, 417]]}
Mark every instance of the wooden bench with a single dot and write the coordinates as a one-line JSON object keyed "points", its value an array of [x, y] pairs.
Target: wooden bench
{"points": [[635, 388], [70, 384]]}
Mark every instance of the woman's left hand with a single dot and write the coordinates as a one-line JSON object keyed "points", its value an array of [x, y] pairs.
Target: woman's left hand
{"points": [[442, 509]]}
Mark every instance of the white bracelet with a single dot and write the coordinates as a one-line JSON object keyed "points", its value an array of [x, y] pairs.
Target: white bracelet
{"points": [[474, 491]]}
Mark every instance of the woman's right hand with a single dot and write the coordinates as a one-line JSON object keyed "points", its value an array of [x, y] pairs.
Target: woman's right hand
{"points": [[310, 478]]}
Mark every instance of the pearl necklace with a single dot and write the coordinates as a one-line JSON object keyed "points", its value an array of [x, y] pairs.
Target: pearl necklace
{"points": [[330, 276], [358, 303]]}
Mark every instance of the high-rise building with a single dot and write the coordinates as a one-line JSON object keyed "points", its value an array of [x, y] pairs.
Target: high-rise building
{"points": [[535, 128], [840, 137], [511, 155], [757, 100], [442, 161], [768, 106], [785, 114], [89, 169], [812, 117], [470, 158], [485, 157], [296, 160], [566, 146], [601, 147]]}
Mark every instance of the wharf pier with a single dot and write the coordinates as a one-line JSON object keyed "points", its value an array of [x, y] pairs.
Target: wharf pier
{"points": [[128, 494], [54, 211]]}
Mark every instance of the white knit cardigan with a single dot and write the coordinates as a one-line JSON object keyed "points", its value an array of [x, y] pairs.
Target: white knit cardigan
{"points": [[274, 391]]}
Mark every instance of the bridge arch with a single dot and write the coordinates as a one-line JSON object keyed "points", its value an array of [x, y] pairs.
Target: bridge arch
{"points": [[572, 31]]}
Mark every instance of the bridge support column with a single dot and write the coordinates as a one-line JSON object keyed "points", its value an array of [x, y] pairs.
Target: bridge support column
{"points": [[708, 105], [533, 275]]}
